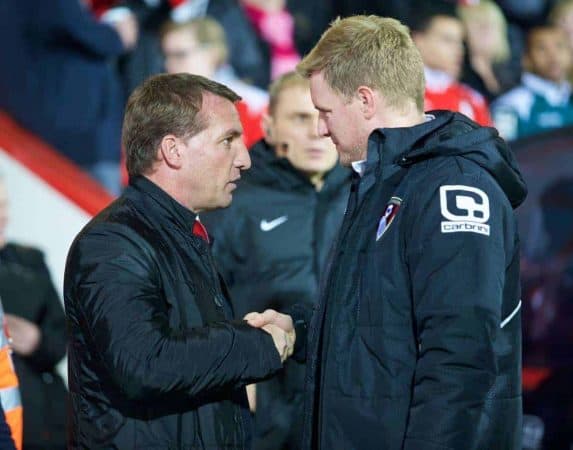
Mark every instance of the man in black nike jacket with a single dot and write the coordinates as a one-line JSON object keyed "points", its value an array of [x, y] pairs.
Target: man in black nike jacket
{"points": [[271, 244], [416, 341]]}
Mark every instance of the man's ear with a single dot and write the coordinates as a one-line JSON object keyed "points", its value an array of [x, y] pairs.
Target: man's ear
{"points": [[367, 100], [170, 151], [267, 124]]}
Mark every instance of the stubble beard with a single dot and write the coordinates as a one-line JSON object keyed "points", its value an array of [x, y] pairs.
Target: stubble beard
{"points": [[354, 154]]}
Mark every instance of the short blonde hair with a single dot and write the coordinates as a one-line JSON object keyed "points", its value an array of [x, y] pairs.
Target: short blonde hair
{"points": [[286, 81], [207, 31], [372, 51], [486, 9]]}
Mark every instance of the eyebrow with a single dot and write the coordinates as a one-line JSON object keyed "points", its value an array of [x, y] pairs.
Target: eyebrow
{"points": [[232, 132]]}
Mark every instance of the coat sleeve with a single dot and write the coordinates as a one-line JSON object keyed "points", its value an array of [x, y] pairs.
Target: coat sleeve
{"points": [[69, 21], [52, 323], [457, 260], [114, 296]]}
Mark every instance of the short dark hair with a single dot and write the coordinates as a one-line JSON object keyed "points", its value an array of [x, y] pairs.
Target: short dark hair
{"points": [[165, 104], [539, 28], [427, 11]]}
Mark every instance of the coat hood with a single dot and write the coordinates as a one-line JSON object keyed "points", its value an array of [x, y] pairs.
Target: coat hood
{"points": [[453, 134]]}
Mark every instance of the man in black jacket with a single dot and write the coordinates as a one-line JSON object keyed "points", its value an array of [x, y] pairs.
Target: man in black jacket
{"points": [[35, 321], [155, 359], [271, 244], [416, 341]]}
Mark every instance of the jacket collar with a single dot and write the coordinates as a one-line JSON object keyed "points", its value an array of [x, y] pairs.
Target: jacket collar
{"points": [[387, 145], [556, 94], [170, 210]]}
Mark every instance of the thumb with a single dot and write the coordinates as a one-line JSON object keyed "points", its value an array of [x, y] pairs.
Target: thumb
{"points": [[254, 319]]}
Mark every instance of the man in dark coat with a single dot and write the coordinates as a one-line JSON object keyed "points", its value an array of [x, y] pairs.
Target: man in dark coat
{"points": [[272, 243], [36, 325], [155, 358], [416, 341]]}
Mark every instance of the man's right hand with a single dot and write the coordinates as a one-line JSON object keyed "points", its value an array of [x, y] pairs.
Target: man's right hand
{"points": [[284, 342], [279, 326], [125, 24]]}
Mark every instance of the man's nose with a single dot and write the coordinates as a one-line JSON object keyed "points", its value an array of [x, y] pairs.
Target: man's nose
{"points": [[243, 159]]}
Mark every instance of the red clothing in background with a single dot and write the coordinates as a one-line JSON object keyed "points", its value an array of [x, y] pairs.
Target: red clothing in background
{"points": [[444, 92]]}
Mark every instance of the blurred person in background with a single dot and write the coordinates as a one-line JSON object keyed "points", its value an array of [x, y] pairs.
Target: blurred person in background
{"points": [[11, 423], [60, 82], [543, 100], [271, 244], [200, 47], [439, 35], [145, 58], [36, 324], [261, 38], [274, 25], [10, 400], [490, 68], [562, 16]]}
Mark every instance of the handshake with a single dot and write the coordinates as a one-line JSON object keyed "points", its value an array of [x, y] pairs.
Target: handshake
{"points": [[279, 326]]}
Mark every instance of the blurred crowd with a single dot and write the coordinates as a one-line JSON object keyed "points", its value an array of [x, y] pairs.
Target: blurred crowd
{"points": [[72, 63], [69, 66]]}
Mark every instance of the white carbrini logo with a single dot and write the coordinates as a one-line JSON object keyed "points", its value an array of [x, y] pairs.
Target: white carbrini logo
{"points": [[465, 208]]}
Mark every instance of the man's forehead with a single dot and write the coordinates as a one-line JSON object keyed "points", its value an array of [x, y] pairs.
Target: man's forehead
{"points": [[548, 35], [220, 113], [293, 95], [322, 93], [211, 99], [319, 85]]}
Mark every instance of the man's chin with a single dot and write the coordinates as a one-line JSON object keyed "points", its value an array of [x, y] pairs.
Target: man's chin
{"points": [[346, 160], [226, 202]]}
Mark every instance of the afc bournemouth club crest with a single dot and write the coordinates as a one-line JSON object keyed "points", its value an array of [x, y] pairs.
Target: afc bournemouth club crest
{"points": [[386, 220]]}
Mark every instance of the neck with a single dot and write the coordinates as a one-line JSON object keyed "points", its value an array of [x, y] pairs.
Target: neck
{"points": [[396, 118], [169, 184]]}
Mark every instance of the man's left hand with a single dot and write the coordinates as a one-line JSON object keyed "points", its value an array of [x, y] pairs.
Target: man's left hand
{"points": [[25, 335]]}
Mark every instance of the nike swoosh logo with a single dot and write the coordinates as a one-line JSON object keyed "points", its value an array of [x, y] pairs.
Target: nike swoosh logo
{"points": [[272, 224]]}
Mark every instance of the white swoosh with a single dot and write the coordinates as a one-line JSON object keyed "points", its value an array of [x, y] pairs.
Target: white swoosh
{"points": [[269, 225]]}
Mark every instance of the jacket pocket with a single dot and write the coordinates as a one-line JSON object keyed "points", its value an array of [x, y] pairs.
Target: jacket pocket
{"points": [[99, 424]]}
